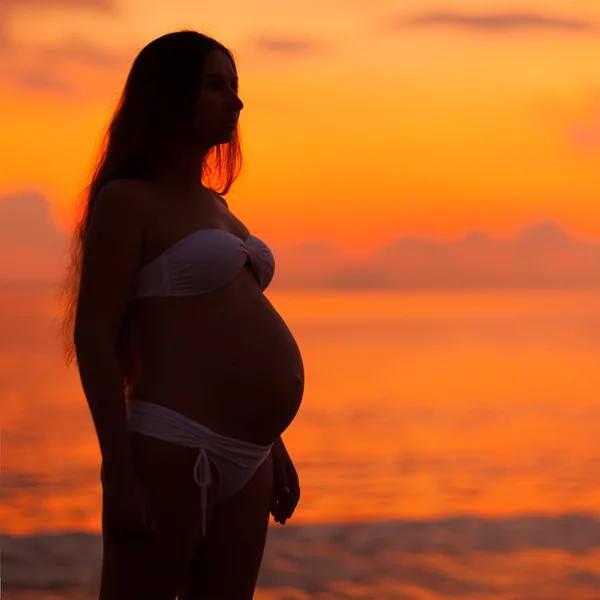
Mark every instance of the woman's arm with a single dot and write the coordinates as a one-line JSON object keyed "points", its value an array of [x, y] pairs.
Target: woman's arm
{"points": [[111, 259]]}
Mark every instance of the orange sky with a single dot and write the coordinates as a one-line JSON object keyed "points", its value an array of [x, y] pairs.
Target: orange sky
{"points": [[360, 131]]}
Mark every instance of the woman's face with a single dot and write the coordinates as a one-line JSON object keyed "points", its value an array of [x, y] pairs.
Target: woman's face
{"points": [[218, 104]]}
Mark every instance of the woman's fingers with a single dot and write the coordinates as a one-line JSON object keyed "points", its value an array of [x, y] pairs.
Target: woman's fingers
{"points": [[286, 506]]}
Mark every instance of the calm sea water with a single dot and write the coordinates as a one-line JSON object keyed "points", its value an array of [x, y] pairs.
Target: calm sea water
{"points": [[419, 407]]}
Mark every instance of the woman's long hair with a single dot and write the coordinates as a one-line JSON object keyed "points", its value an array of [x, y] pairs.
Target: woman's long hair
{"points": [[154, 113]]}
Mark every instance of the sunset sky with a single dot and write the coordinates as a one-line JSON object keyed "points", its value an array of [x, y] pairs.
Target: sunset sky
{"points": [[363, 121], [411, 163]]}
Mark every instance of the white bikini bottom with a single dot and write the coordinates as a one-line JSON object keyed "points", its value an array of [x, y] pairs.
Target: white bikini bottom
{"points": [[235, 460]]}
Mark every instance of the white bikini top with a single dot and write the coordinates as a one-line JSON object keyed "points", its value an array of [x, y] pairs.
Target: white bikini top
{"points": [[203, 261]]}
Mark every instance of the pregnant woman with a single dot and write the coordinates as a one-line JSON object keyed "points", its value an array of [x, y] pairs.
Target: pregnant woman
{"points": [[190, 373]]}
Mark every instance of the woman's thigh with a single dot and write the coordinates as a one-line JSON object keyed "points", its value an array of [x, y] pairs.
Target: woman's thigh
{"points": [[227, 563], [150, 566]]}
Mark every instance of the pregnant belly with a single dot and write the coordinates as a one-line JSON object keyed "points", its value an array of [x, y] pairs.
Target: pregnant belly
{"points": [[260, 392], [240, 373]]}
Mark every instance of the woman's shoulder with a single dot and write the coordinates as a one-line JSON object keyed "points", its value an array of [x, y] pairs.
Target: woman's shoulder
{"points": [[133, 189], [126, 196], [121, 207]]}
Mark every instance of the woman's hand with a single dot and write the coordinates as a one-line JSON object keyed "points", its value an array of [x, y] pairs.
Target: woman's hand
{"points": [[286, 489]]}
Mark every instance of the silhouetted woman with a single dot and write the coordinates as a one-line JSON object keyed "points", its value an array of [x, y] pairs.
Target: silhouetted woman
{"points": [[190, 373]]}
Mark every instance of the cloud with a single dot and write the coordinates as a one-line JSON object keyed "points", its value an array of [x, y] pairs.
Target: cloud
{"points": [[585, 135], [26, 221], [498, 22], [543, 256], [43, 67], [81, 51], [39, 81], [287, 46], [32, 246], [108, 5], [33, 66], [10, 9]]}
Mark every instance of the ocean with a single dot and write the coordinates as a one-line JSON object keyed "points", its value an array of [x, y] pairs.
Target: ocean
{"points": [[447, 448]]}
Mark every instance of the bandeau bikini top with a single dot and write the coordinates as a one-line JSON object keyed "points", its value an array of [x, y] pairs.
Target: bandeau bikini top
{"points": [[203, 261]]}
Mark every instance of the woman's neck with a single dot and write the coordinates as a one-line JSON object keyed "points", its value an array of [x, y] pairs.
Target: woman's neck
{"points": [[183, 172]]}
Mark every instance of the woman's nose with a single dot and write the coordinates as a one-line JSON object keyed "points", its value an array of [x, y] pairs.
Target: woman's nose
{"points": [[238, 104]]}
